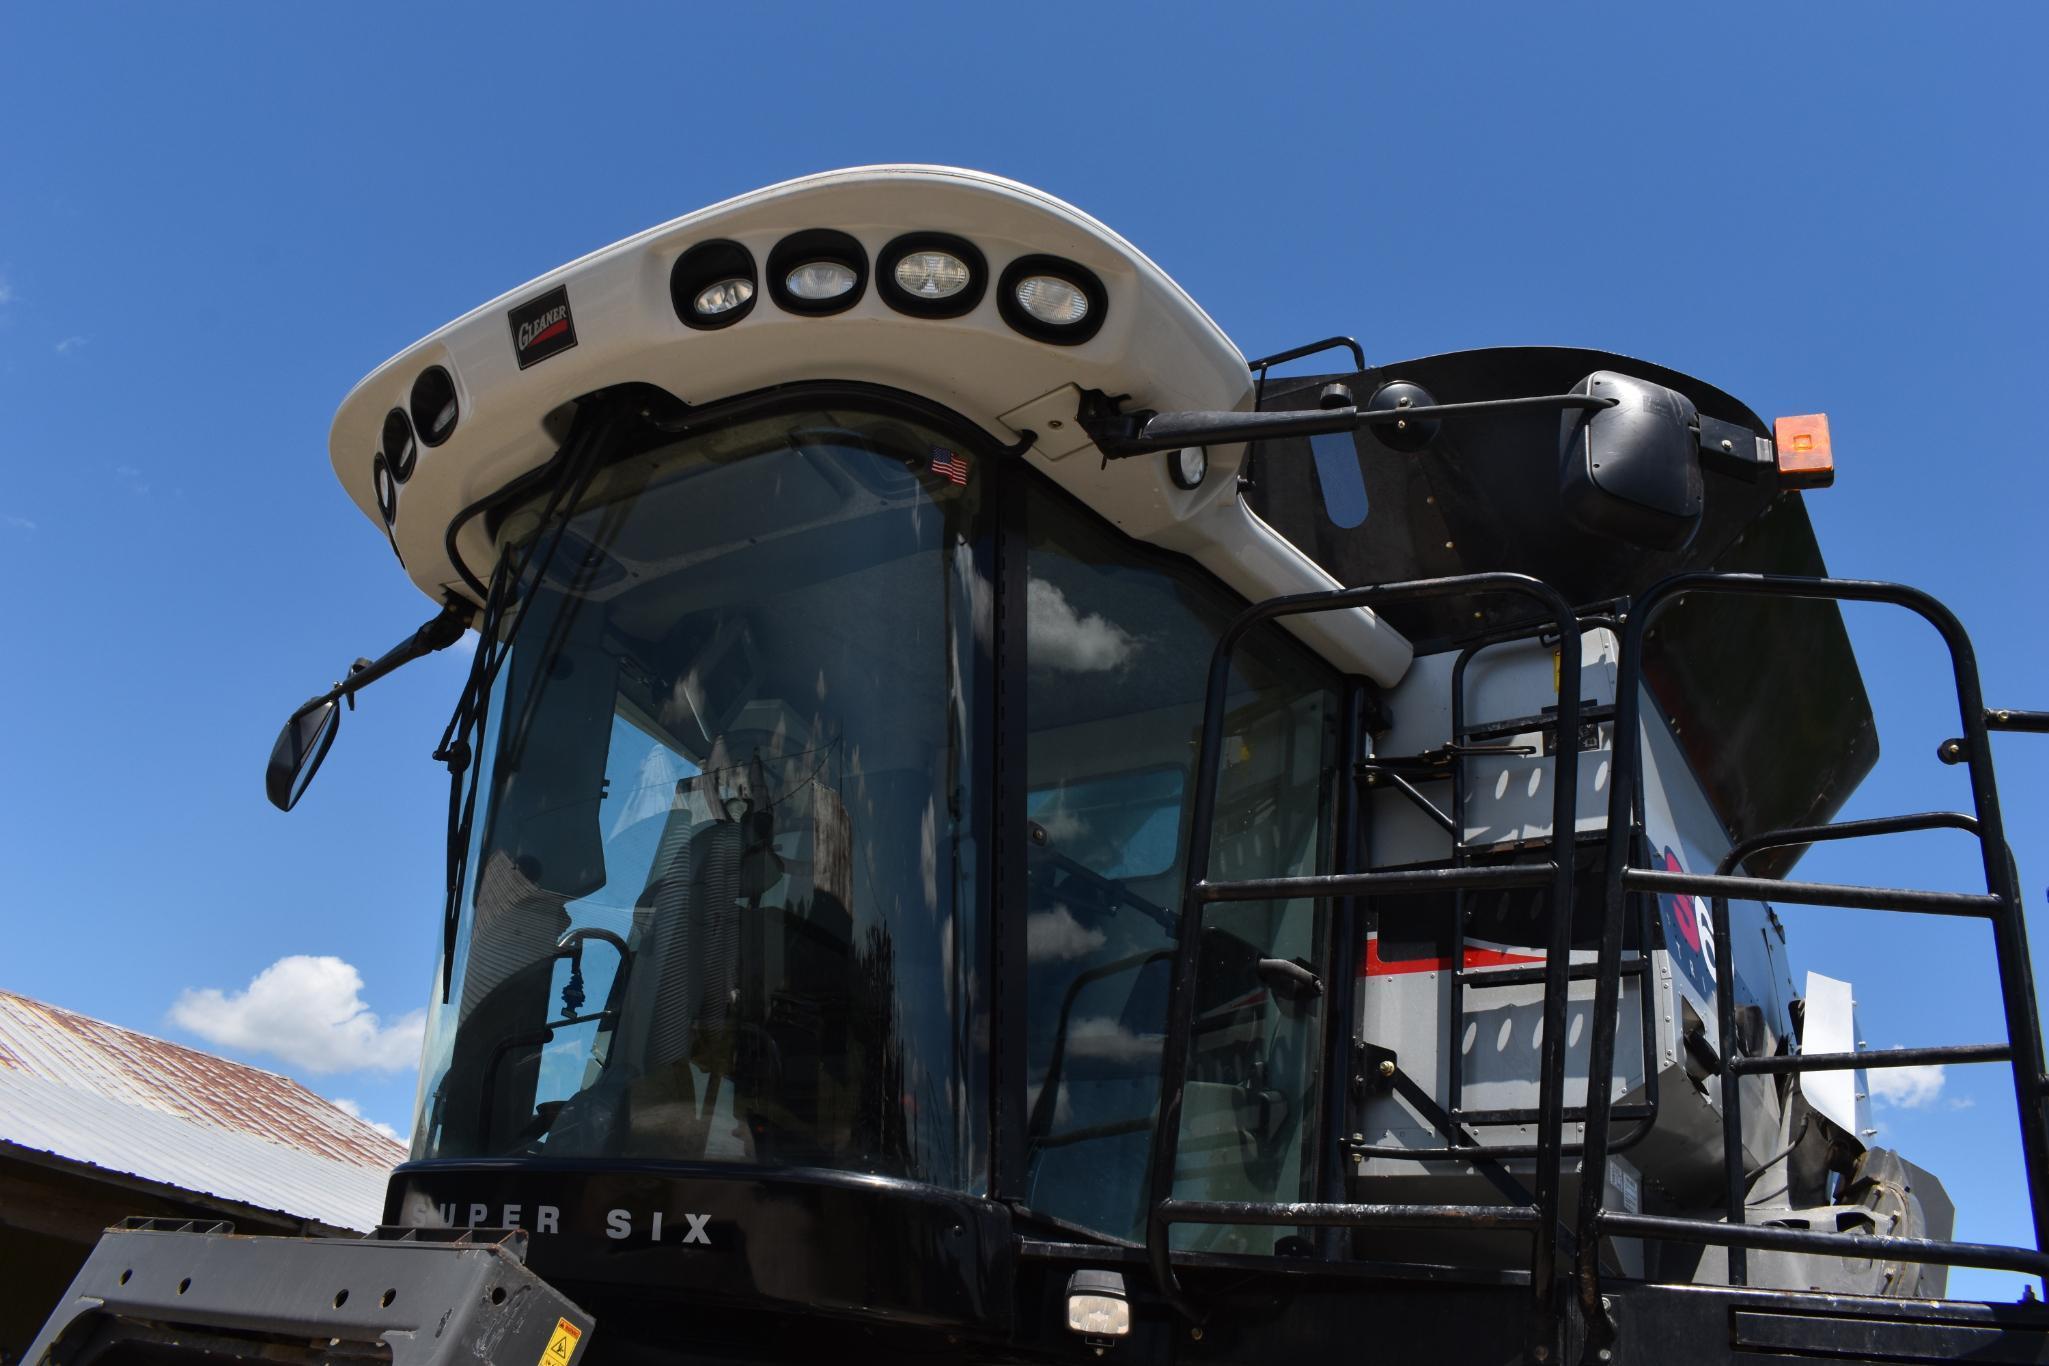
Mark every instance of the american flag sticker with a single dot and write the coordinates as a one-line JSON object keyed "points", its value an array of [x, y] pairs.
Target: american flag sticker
{"points": [[949, 466]]}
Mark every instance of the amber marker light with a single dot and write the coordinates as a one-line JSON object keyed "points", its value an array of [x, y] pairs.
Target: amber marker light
{"points": [[1806, 461]]}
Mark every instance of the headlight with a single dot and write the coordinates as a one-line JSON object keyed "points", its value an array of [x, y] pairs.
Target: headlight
{"points": [[433, 406], [932, 275], [713, 284], [1097, 1306], [1188, 467], [818, 281], [1052, 300], [723, 296], [399, 450], [817, 271]]}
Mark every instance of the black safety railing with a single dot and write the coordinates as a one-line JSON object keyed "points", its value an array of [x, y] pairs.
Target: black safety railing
{"points": [[1470, 742], [1539, 1214], [1643, 1114], [2000, 903]]}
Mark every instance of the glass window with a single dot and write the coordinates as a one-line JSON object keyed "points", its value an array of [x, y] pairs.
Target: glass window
{"points": [[720, 901], [1126, 825], [1118, 643]]}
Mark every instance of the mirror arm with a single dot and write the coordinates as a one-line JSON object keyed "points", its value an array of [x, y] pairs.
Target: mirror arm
{"points": [[1120, 436], [440, 633]]}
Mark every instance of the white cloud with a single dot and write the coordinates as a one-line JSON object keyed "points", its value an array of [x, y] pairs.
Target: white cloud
{"points": [[17, 523], [1055, 936], [1099, 1036], [70, 344], [1909, 1088], [307, 1011], [1062, 638], [6, 291], [132, 478], [355, 1111]]}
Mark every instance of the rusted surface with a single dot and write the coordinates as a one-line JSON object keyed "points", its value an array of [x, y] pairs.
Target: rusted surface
{"points": [[120, 1065]]}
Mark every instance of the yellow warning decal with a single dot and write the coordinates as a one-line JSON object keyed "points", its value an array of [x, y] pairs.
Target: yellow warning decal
{"points": [[561, 1344]]}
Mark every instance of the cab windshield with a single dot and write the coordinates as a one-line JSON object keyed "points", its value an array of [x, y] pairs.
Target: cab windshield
{"points": [[717, 897]]}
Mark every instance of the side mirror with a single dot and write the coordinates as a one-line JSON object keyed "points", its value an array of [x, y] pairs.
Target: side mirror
{"points": [[1631, 472], [300, 747]]}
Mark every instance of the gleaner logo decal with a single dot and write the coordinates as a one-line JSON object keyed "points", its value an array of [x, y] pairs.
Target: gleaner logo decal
{"points": [[542, 326]]}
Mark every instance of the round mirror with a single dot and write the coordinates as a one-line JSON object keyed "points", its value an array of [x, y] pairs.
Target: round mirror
{"points": [[300, 747]]}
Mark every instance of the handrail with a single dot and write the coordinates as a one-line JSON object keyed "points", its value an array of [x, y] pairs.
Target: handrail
{"points": [[2000, 903], [1198, 891]]}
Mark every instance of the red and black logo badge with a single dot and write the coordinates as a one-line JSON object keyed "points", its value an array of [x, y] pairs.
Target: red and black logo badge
{"points": [[542, 326]]}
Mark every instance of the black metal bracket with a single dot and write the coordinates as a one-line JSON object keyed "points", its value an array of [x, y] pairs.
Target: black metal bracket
{"points": [[1958, 750], [1120, 435]]}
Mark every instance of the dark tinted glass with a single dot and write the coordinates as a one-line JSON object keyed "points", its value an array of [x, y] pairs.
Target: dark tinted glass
{"points": [[720, 901], [1118, 649]]}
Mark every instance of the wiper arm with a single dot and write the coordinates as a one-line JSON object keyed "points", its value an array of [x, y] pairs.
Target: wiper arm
{"points": [[576, 463]]}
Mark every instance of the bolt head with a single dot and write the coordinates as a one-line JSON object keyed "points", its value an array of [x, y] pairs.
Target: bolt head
{"points": [[1387, 1067]]}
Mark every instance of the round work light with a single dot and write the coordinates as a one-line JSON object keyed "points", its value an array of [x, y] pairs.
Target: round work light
{"points": [[723, 296], [386, 490], [1188, 467], [817, 271], [433, 407], [932, 275], [1052, 300], [820, 281], [712, 285], [399, 451]]}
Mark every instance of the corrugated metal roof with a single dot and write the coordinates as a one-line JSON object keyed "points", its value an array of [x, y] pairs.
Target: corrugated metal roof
{"points": [[93, 1092]]}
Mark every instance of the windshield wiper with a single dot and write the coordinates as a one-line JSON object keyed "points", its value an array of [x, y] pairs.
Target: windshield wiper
{"points": [[575, 463]]}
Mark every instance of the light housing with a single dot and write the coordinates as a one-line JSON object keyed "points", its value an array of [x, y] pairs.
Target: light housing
{"points": [[385, 487], [819, 281], [1188, 467], [1805, 457], [906, 254], [1031, 287], [398, 448], [702, 269], [1097, 1306], [723, 296], [434, 408], [815, 250]]}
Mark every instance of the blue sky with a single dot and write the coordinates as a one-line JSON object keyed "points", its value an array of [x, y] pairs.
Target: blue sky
{"points": [[214, 220]]}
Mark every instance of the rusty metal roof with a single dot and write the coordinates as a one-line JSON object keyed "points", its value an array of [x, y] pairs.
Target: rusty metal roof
{"points": [[93, 1092]]}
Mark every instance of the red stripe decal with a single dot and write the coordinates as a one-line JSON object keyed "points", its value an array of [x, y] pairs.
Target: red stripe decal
{"points": [[555, 329], [1373, 965]]}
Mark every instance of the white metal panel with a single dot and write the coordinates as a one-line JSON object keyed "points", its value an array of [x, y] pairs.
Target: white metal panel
{"points": [[1156, 345]]}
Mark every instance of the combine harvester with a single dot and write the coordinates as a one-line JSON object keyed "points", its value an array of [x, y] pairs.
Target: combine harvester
{"points": [[939, 868]]}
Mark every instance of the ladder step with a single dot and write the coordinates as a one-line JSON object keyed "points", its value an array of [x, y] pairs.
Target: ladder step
{"points": [[1574, 1114]]}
